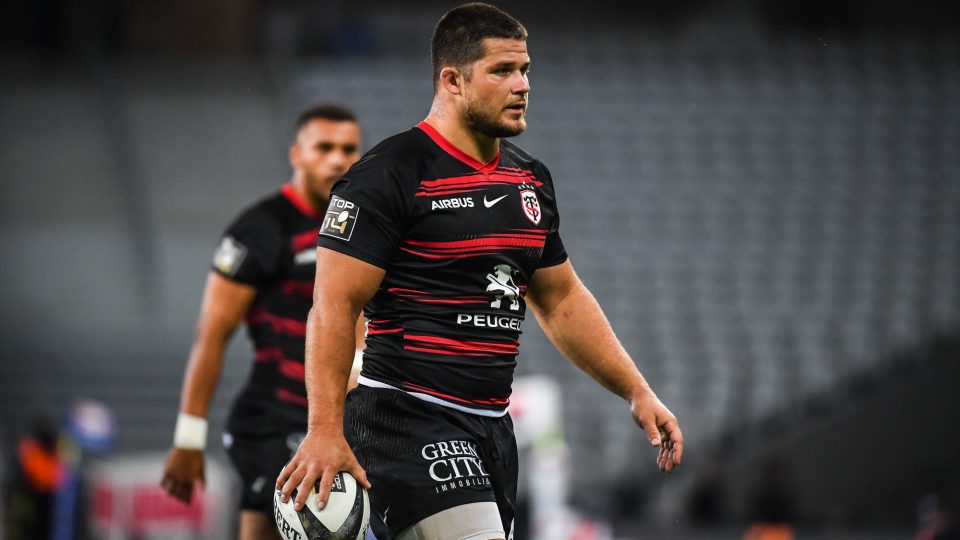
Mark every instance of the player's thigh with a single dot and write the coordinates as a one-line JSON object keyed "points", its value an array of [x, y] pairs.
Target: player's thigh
{"points": [[474, 521], [422, 459], [255, 525]]}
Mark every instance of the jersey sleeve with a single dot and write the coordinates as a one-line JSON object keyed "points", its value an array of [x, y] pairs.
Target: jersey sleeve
{"points": [[553, 251], [250, 249], [367, 214]]}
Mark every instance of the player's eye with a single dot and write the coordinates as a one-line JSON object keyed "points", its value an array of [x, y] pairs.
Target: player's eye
{"points": [[325, 147], [349, 149]]}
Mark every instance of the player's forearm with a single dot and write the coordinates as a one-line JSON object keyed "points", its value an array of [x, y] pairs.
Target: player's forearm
{"points": [[330, 347], [201, 377], [580, 330]]}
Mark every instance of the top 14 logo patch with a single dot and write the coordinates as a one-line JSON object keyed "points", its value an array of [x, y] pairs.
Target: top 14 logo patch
{"points": [[531, 205], [229, 255], [340, 219]]}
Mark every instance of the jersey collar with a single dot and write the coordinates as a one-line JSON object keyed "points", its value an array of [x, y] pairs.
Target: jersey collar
{"points": [[449, 148], [302, 205]]}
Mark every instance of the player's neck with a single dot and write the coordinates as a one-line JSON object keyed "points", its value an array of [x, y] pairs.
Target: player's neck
{"points": [[299, 185], [454, 129]]}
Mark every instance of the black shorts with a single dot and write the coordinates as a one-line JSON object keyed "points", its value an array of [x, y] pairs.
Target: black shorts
{"points": [[259, 461], [423, 458]]}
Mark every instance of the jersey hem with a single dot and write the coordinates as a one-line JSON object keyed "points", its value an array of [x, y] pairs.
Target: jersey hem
{"points": [[371, 383]]}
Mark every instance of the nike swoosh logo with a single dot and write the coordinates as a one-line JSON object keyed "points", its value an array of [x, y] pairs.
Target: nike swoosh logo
{"points": [[488, 204]]}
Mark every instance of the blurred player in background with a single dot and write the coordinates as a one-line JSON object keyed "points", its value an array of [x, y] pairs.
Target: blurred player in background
{"points": [[445, 233], [263, 273]]}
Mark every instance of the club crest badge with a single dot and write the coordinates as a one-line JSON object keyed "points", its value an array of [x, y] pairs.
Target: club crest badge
{"points": [[530, 205]]}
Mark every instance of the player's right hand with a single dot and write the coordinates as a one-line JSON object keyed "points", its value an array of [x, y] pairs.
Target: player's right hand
{"points": [[318, 458], [183, 471]]}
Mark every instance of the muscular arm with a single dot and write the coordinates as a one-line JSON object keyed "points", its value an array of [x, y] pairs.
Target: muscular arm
{"points": [[224, 305], [572, 319], [343, 286]]}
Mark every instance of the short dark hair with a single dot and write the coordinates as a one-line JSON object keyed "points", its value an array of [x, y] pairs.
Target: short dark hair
{"points": [[458, 37], [325, 111]]}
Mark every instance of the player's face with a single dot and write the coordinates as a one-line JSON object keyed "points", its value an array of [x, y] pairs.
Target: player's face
{"points": [[496, 94], [323, 151]]}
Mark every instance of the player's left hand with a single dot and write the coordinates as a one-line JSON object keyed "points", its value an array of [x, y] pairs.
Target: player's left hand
{"points": [[661, 427]]}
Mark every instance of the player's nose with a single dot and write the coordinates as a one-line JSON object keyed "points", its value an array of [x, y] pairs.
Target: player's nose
{"points": [[522, 86], [338, 159]]}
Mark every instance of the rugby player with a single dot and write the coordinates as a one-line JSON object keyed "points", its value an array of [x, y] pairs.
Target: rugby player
{"points": [[443, 235], [262, 275]]}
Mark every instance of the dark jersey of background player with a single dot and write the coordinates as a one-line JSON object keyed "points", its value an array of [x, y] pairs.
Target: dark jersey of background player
{"points": [[461, 240], [262, 276], [270, 247]]}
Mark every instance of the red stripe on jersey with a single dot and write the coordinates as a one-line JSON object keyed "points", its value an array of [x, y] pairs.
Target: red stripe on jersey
{"points": [[426, 255], [447, 301], [291, 369], [475, 180], [285, 395], [281, 325], [432, 392], [456, 345], [458, 249], [449, 148], [470, 183], [382, 327], [493, 240], [303, 241], [267, 354], [447, 192], [303, 206], [424, 297], [441, 351], [303, 288]]}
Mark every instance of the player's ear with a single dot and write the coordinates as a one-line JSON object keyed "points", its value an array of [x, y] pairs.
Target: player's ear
{"points": [[451, 80]]}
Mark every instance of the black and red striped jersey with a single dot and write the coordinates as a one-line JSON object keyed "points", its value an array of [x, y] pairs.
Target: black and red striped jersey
{"points": [[459, 241], [271, 246]]}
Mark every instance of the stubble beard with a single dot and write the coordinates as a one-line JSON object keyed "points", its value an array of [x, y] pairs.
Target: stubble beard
{"points": [[491, 125]]}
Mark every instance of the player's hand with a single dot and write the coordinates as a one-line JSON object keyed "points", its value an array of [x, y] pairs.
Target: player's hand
{"points": [[318, 458], [661, 427], [183, 471]]}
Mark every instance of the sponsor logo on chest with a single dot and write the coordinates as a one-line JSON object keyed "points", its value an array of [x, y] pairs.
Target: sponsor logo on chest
{"points": [[452, 203]]}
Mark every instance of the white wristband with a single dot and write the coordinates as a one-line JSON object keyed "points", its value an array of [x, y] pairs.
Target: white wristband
{"points": [[191, 432]]}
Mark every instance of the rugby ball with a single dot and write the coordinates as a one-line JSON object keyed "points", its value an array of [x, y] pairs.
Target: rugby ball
{"points": [[345, 517]]}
